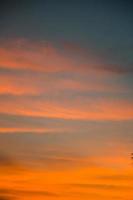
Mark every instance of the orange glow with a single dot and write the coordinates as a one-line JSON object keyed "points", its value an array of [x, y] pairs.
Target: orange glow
{"points": [[73, 184], [71, 110], [76, 107]]}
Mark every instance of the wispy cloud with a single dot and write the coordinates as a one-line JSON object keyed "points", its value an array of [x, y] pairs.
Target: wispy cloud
{"points": [[46, 57], [82, 108], [102, 186], [39, 80], [6, 160]]}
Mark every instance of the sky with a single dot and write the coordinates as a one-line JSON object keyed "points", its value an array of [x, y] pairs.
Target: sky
{"points": [[66, 100]]}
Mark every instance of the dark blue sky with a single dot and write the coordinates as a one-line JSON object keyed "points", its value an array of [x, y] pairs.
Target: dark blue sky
{"points": [[105, 27]]}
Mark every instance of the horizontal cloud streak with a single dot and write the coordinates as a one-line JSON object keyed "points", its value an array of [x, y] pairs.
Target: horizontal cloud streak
{"points": [[45, 57], [36, 83], [79, 108], [23, 54]]}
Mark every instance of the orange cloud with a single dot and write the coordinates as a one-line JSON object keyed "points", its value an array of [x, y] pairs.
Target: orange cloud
{"points": [[42, 56], [24, 54], [84, 180], [70, 184], [31, 87], [26, 130], [35, 84], [84, 109]]}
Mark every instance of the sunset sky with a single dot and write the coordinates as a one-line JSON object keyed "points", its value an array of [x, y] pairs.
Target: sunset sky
{"points": [[66, 100]]}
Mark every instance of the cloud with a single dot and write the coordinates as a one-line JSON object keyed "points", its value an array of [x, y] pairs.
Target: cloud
{"points": [[42, 152], [65, 108], [57, 162], [29, 130], [31, 86], [28, 124], [98, 62], [102, 186], [25, 83], [4, 198], [28, 99], [6, 160], [38, 84], [117, 69], [8, 194], [34, 193], [45, 57], [4, 194], [116, 177], [37, 56]]}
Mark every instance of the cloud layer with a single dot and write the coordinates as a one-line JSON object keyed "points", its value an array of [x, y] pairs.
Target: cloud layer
{"points": [[82, 106]]}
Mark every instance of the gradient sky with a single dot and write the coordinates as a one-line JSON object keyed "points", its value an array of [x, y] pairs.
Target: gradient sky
{"points": [[66, 100]]}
